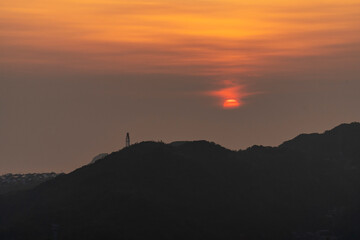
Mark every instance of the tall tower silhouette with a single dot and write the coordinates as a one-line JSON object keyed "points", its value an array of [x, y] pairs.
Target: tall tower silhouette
{"points": [[127, 141]]}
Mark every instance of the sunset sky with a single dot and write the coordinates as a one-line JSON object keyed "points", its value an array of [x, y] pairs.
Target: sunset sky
{"points": [[76, 75]]}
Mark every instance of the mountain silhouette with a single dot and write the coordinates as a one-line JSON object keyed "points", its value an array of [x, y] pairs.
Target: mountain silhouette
{"points": [[307, 187]]}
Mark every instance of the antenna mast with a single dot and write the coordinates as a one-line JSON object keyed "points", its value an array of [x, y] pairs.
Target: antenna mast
{"points": [[127, 141]]}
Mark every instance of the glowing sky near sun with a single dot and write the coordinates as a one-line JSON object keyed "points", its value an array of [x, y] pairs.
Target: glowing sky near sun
{"points": [[222, 39]]}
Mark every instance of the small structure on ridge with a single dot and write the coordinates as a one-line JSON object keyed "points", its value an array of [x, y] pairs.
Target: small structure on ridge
{"points": [[127, 140]]}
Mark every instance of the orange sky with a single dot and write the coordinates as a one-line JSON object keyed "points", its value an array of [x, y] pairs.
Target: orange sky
{"points": [[219, 37], [222, 39]]}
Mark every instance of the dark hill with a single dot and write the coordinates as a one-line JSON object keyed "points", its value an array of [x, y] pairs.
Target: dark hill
{"points": [[200, 190], [340, 141]]}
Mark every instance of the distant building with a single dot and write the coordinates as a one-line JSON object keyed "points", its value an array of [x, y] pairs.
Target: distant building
{"points": [[127, 140], [98, 157]]}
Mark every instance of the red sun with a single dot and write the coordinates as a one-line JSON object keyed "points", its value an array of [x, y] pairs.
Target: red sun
{"points": [[232, 96], [231, 103]]}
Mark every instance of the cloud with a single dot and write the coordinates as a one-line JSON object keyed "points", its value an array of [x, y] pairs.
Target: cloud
{"points": [[217, 38]]}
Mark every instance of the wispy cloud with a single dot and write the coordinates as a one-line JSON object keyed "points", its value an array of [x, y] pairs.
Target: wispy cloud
{"points": [[220, 37]]}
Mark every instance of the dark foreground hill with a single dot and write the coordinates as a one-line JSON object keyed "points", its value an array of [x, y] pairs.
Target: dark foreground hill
{"points": [[307, 188]]}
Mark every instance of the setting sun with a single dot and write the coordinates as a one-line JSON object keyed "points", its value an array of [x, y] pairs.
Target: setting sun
{"points": [[232, 96], [231, 103]]}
